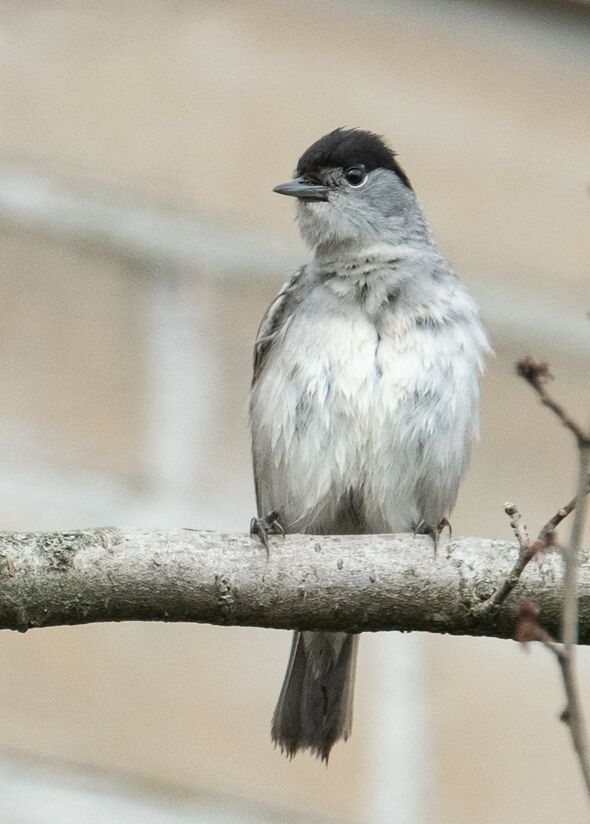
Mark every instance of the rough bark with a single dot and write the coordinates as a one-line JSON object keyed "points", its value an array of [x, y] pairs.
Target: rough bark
{"points": [[354, 583]]}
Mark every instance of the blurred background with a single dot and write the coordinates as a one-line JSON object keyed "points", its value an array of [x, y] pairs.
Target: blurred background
{"points": [[140, 243]]}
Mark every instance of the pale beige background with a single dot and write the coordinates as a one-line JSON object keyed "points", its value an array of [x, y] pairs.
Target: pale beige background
{"points": [[140, 243]]}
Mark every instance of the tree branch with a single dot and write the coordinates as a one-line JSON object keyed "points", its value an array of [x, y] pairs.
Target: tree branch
{"points": [[353, 582]]}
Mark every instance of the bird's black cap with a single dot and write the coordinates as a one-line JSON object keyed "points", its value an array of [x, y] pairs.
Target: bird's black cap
{"points": [[343, 148]]}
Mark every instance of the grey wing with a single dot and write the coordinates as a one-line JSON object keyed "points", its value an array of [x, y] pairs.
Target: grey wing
{"points": [[273, 323]]}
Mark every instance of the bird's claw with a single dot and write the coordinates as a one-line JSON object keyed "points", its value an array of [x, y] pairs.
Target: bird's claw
{"points": [[433, 531], [263, 527]]}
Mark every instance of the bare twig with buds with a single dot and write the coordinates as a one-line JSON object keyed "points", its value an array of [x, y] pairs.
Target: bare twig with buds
{"points": [[544, 540], [537, 375]]}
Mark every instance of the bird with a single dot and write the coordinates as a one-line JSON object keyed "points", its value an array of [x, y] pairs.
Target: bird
{"points": [[364, 397]]}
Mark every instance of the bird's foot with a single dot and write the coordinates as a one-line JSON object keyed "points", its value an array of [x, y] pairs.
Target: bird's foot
{"points": [[433, 531], [268, 525], [445, 523]]}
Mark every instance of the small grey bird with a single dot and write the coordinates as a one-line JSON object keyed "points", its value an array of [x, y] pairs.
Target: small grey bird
{"points": [[365, 393]]}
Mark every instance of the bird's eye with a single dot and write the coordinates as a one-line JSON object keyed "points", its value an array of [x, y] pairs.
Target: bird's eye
{"points": [[355, 175]]}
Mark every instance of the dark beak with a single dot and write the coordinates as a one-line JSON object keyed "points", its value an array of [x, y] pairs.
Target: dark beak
{"points": [[298, 187]]}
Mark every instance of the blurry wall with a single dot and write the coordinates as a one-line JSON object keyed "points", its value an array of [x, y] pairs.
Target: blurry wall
{"points": [[140, 243]]}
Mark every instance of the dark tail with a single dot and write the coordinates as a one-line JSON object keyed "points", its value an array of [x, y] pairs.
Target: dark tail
{"points": [[314, 709]]}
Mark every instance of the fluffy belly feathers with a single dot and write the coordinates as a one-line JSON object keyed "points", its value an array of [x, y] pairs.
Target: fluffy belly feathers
{"points": [[360, 431]]}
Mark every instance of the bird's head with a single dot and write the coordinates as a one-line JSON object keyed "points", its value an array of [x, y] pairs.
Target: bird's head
{"points": [[350, 190]]}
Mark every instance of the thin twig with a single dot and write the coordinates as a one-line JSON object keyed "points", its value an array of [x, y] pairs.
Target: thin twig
{"points": [[528, 629], [528, 550], [545, 537], [537, 375], [519, 528], [524, 556], [575, 714]]}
